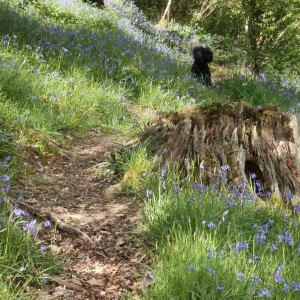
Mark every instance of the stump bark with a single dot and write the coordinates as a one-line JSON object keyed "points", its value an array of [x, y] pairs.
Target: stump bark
{"points": [[261, 141]]}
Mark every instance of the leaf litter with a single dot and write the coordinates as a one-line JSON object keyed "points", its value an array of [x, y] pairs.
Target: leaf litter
{"points": [[70, 187]]}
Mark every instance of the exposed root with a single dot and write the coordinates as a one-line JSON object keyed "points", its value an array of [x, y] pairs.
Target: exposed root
{"points": [[44, 214]]}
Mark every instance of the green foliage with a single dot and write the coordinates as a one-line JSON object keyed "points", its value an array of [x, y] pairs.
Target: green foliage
{"points": [[217, 243]]}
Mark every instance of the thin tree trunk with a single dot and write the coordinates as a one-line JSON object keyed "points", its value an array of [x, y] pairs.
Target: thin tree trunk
{"points": [[166, 14]]}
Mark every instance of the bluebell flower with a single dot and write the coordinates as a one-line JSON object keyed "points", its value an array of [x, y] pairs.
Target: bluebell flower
{"points": [[20, 198], [240, 276], [47, 224], [20, 213], [225, 168], [164, 172], [278, 277], [264, 293], [255, 258], [286, 288], [211, 225], [288, 195], [176, 187], [241, 246], [256, 279], [43, 249], [190, 267], [268, 194], [273, 247], [211, 271], [296, 286], [164, 151], [31, 227], [149, 279], [220, 287], [286, 237], [5, 177], [149, 193]]}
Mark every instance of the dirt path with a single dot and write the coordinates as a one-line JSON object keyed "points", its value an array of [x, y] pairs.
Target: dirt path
{"points": [[70, 187]]}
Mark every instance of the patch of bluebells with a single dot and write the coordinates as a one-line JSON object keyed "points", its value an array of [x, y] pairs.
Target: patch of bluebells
{"points": [[278, 278], [264, 292], [29, 225], [262, 232], [286, 237], [287, 88]]}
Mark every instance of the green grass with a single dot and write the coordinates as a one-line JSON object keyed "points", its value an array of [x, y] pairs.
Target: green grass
{"points": [[204, 236]]}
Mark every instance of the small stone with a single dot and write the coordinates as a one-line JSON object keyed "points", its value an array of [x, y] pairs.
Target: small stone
{"points": [[113, 190]]}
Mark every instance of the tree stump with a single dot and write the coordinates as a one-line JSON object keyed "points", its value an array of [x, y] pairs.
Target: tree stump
{"points": [[260, 141]]}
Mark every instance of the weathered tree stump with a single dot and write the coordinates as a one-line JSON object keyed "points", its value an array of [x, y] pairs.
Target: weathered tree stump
{"points": [[261, 141]]}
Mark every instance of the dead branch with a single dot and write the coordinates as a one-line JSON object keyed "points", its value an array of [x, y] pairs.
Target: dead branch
{"points": [[44, 214]]}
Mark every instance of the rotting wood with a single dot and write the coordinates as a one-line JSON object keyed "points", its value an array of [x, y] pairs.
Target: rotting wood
{"points": [[261, 141]]}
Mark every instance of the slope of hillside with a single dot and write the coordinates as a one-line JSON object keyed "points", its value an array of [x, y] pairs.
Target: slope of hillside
{"points": [[73, 81]]}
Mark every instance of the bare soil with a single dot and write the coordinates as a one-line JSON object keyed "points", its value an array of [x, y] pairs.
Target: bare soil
{"points": [[70, 186]]}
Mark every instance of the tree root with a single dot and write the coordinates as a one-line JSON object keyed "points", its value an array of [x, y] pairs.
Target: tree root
{"points": [[43, 214]]}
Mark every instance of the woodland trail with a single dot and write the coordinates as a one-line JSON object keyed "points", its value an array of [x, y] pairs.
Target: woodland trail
{"points": [[69, 187]]}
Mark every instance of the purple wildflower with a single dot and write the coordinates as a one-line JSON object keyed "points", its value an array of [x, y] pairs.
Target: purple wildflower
{"points": [[21, 213], [240, 246], [164, 172], [256, 280], [225, 168], [220, 287], [175, 188], [255, 258], [20, 197], [296, 286], [43, 249], [6, 189], [47, 224], [30, 227], [149, 279], [5, 177], [286, 288], [288, 195], [149, 193], [273, 247], [286, 237], [278, 277], [264, 293], [211, 271], [211, 225], [268, 194], [190, 267], [240, 276]]}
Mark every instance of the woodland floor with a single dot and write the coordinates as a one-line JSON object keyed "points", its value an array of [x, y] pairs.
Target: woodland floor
{"points": [[70, 186]]}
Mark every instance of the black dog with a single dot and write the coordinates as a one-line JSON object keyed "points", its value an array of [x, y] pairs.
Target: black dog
{"points": [[202, 56]]}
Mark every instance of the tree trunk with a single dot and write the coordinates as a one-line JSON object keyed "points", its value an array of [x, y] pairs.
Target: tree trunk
{"points": [[166, 14], [261, 141]]}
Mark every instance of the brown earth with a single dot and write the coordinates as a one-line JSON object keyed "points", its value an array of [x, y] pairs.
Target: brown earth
{"points": [[69, 185]]}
